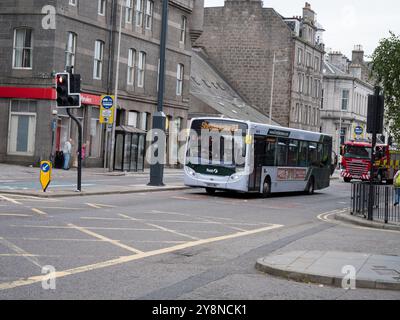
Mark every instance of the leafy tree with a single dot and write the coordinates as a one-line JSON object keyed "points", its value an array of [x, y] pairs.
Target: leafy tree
{"points": [[386, 68]]}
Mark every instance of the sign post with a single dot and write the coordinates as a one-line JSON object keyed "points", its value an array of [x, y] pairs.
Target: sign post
{"points": [[45, 174], [107, 106]]}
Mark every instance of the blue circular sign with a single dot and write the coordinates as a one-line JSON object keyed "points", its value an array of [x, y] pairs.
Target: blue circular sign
{"points": [[358, 130], [107, 102], [45, 167]]}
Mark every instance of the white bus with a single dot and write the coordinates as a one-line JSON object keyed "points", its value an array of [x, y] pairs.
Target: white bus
{"points": [[272, 158]]}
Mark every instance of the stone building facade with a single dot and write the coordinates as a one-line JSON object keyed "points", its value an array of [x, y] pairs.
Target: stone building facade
{"points": [[345, 97], [241, 40], [86, 36]]}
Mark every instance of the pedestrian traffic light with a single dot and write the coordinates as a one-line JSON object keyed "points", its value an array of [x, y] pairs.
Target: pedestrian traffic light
{"points": [[68, 87]]}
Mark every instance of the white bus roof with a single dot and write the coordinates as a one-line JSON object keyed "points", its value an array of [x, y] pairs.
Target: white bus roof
{"points": [[266, 129]]}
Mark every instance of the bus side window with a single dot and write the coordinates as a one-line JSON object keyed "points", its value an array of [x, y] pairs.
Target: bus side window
{"points": [[321, 155], [325, 160], [303, 154], [270, 150], [282, 152], [313, 154], [293, 153]]}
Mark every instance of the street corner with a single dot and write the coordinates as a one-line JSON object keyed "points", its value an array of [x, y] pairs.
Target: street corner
{"points": [[347, 270]]}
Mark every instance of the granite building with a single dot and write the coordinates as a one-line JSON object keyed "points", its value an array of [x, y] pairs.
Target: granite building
{"points": [[86, 37], [347, 84], [263, 54]]}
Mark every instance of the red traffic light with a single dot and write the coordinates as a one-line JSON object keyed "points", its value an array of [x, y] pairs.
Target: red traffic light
{"points": [[60, 79]]}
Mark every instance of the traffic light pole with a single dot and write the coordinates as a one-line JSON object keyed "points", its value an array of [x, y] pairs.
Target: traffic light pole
{"points": [[157, 169], [371, 196], [78, 123]]}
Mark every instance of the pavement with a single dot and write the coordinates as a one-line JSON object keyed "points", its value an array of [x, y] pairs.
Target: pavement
{"points": [[335, 268], [22, 180], [359, 221]]}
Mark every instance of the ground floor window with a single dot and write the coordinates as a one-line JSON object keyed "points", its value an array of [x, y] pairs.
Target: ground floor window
{"points": [[96, 137], [22, 127]]}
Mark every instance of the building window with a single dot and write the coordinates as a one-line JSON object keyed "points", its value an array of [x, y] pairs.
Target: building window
{"points": [[149, 14], [139, 13], [307, 85], [70, 49], [299, 56], [301, 82], [22, 56], [98, 59], [73, 2], [141, 68], [179, 79], [96, 135], [128, 11], [102, 8], [183, 29], [308, 61], [345, 99], [322, 98], [316, 64], [144, 121], [133, 119], [131, 66], [342, 135], [22, 127]]}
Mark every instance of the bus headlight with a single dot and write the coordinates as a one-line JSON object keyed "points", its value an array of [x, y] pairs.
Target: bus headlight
{"points": [[235, 177], [190, 171]]}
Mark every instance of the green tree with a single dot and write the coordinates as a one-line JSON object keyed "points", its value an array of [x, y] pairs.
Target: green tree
{"points": [[386, 68]]}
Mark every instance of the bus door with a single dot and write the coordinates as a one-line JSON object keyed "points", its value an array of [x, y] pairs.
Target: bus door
{"points": [[259, 154]]}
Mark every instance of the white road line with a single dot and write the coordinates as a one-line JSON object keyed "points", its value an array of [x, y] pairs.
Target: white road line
{"points": [[122, 260], [15, 215], [101, 237], [90, 228], [39, 211], [99, 206], [161, 228], [19, 250], [9, 199], [94, 240]]}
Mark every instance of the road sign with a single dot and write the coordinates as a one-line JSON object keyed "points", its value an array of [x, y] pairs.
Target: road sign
{"points": [[45, 174], [107, 109], [358, 130]]}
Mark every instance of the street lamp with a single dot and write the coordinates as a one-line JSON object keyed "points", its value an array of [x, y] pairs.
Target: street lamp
{"points": [[110, 155], [274, 61]]}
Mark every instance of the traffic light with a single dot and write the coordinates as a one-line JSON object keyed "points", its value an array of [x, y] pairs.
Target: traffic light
{"points": [[376, 108], [68, 87], [62, 89]]}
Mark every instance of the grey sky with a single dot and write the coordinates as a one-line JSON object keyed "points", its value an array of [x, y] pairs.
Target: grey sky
{"points": [[347, 22]]}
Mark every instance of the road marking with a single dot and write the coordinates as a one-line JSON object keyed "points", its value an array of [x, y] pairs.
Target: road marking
{"points": [[39, 212], [125, 259], [9, 199], [94, 240], [99, 236], [325, 217], [162, 228], [19, 250], [15, 215], [90, 228], [99, 206], [60, 208], [204, 221]]}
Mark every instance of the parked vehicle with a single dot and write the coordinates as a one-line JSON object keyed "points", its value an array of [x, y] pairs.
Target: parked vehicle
{"points": [[356, 161]]}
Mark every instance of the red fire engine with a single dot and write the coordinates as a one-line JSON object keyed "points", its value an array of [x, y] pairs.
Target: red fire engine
{"points": [[356, 161]]}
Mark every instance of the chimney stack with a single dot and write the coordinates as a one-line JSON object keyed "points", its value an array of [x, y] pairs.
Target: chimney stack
{"points": [[308, 13], [358, 55]]}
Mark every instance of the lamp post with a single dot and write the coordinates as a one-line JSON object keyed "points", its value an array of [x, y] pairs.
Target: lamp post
{"points": [[110, 155], [274, 61], [157, 169]]}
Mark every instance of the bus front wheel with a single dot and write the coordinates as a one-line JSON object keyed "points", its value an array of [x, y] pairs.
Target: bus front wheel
{"points": [[267, 188], [210, 191]]}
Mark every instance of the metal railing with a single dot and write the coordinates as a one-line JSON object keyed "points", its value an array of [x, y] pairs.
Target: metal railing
{"points": [[383, 208]]}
